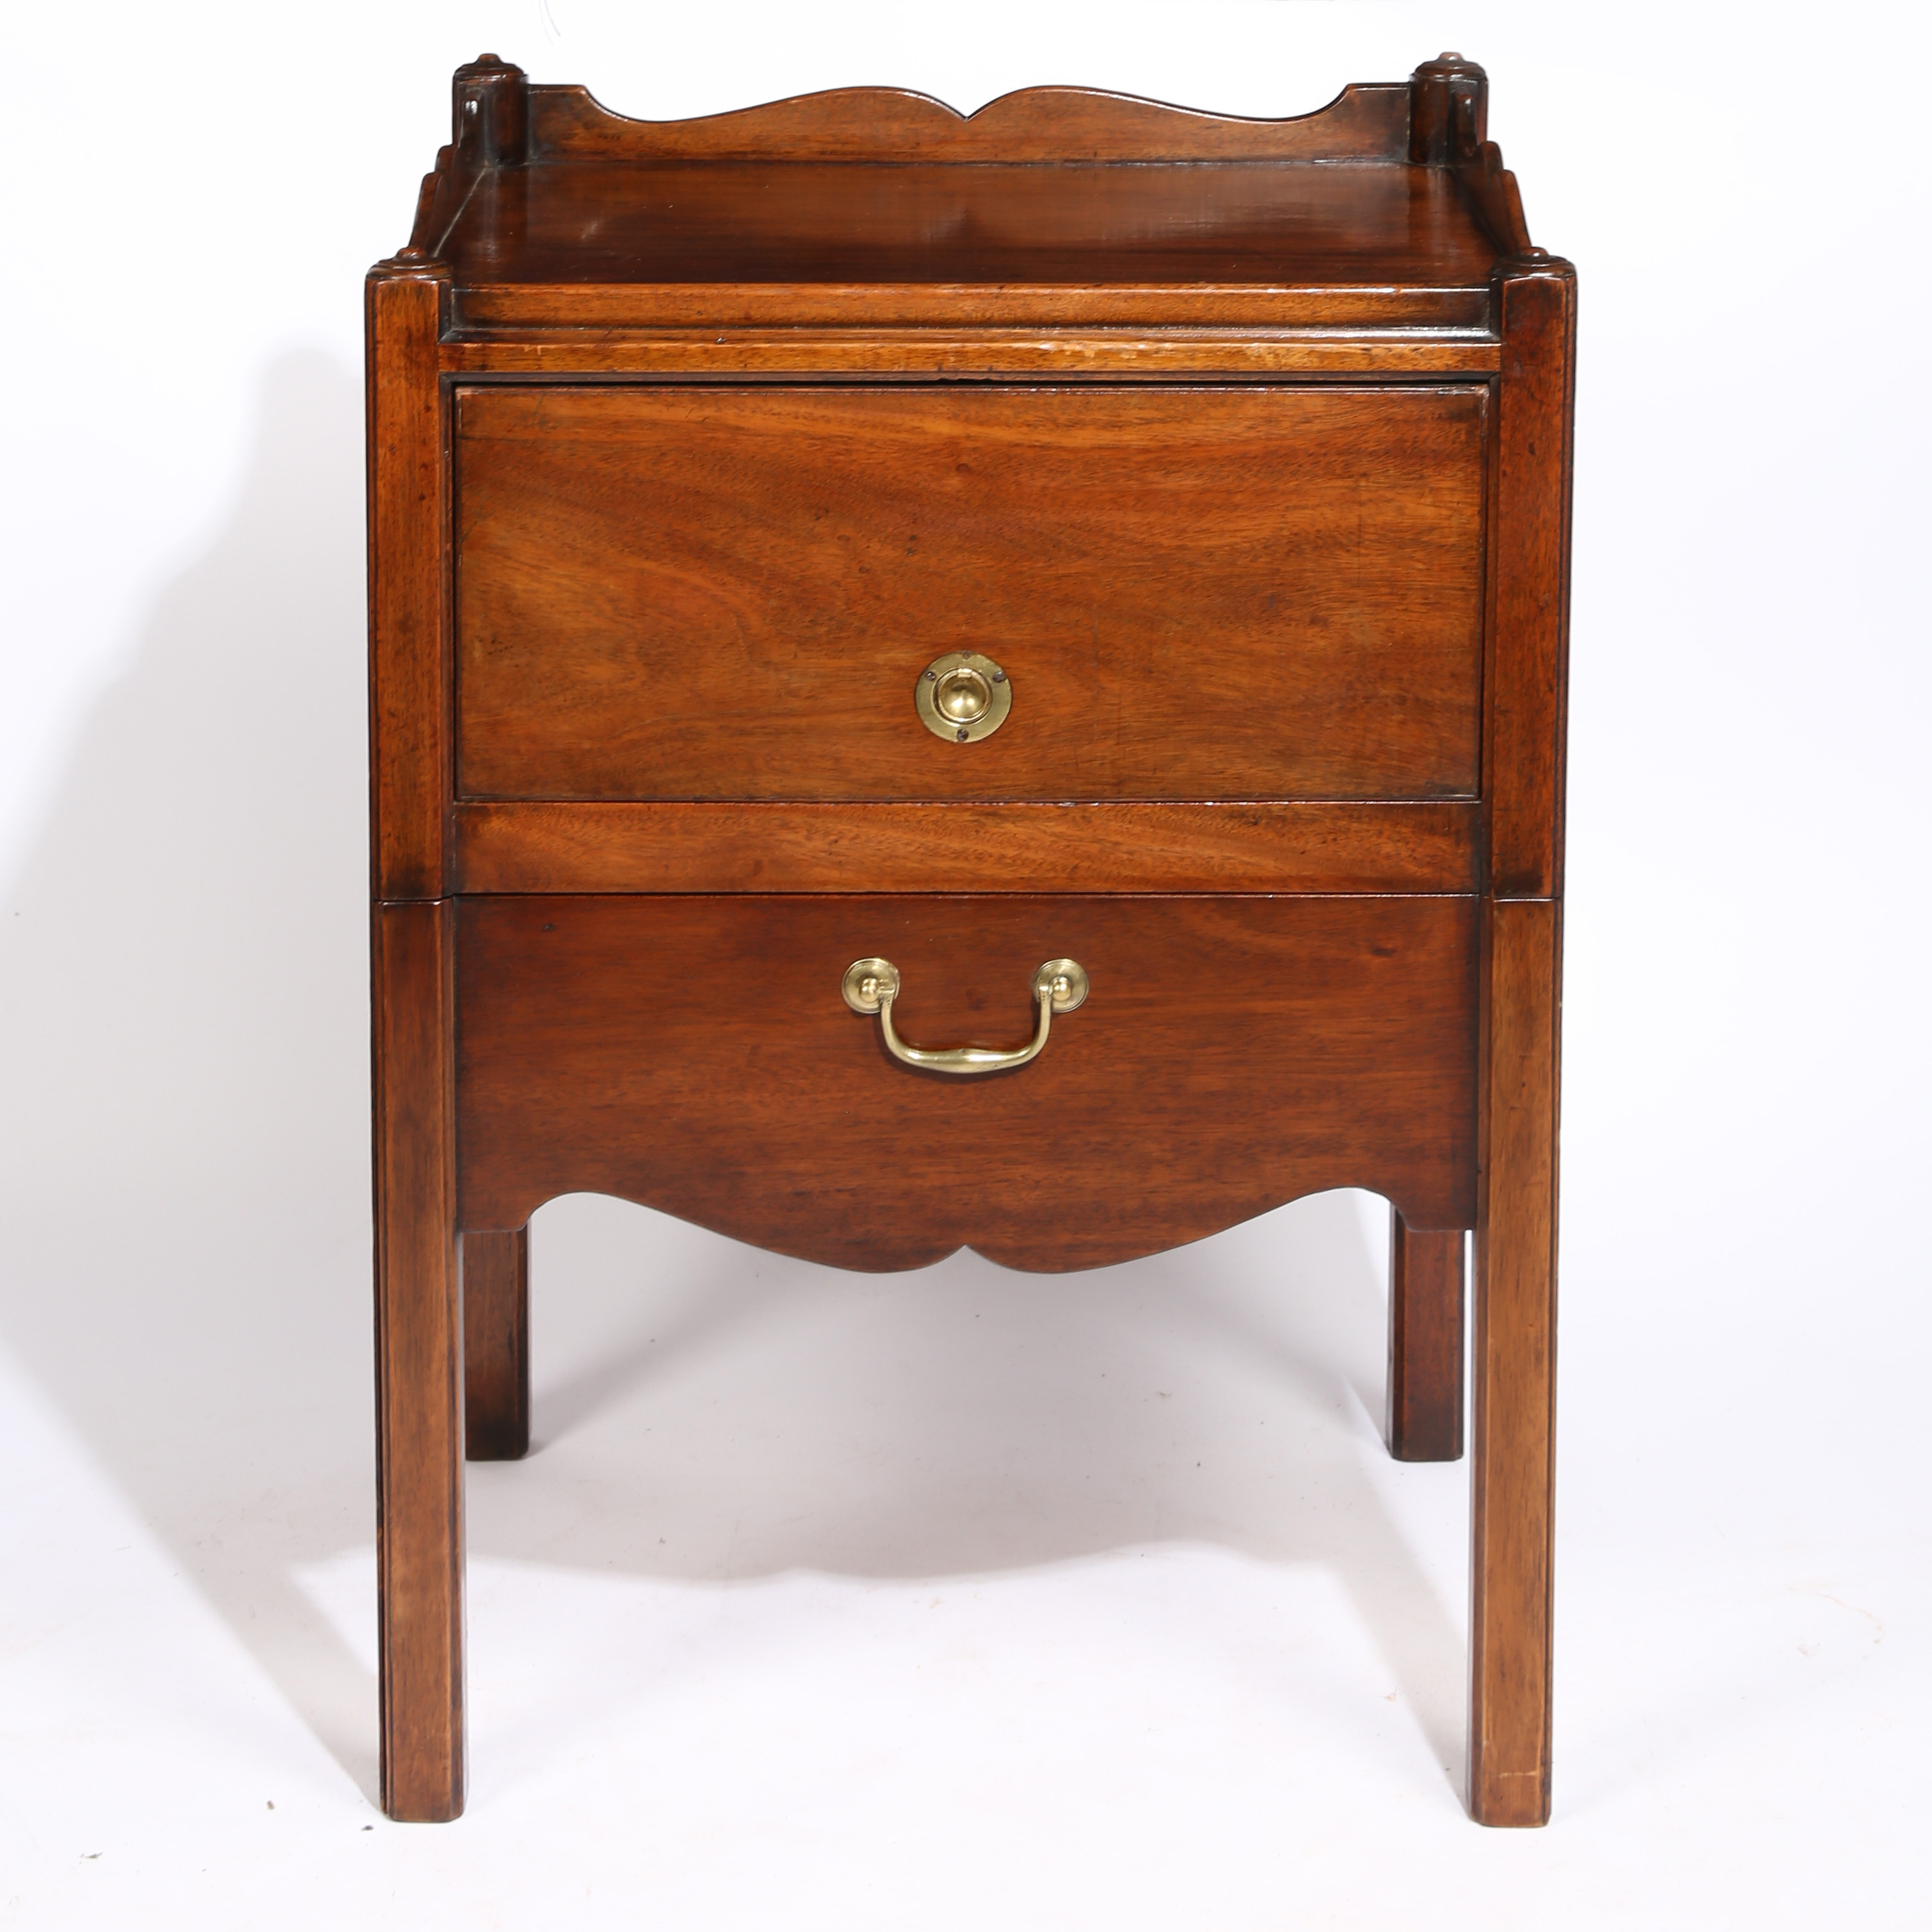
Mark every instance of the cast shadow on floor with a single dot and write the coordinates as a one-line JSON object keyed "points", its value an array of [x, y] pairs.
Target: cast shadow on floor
{"points": [[184, 1022]]}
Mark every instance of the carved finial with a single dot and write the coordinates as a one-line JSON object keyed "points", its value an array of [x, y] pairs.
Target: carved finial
{"points": [[1448, 110]]}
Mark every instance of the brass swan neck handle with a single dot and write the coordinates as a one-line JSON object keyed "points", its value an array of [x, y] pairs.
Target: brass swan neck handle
{"points": [[871, 985]]}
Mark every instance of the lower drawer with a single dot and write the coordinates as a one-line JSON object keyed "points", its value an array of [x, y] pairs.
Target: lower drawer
{"points": [[696, 1054]]}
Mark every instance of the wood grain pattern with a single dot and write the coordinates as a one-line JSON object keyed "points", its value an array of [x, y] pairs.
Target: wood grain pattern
{"points": [[1061, 354], [1492, 193], [490, 125], [1198, 594], [1530, 581], [1423, 1415], [490, 110], [1246, 446], [1235, 1054], [1022, 213], [1449, 110], [1268, 848], [439, 201], [1514, 1368], [418, 1365], [1449, 120], [1034, 125], [496, 1346], [488, 306], [705, 241], [409, 764]]}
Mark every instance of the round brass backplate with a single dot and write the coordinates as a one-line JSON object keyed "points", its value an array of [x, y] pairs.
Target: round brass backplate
{"points": [[1065, 980], [869, 983], [963, 697]]}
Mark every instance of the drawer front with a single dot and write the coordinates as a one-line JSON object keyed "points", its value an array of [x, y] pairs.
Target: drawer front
{"points": [[696, 1054], [1196, 594]]}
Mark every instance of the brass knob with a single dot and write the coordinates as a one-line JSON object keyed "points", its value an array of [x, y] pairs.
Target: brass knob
{"points": [[963, 696]]}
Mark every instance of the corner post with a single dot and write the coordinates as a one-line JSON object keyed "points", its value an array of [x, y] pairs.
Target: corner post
{"points": [[1513, 1356], [1448, 111], [489, 108], [411, 775], [419, 1366], [1514, 1360], [418, 1312], [1526, 679]]}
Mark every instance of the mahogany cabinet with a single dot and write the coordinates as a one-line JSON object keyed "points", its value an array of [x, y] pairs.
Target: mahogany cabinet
{"points": [[957, 635]]}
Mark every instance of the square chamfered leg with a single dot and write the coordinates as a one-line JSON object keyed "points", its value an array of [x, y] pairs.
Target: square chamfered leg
{"points": [[418, 1367], [1514, 1364], [1424, 1398], [496, 1346]]}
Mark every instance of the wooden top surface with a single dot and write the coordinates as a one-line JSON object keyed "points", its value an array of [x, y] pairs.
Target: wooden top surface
{"points": [[1050, 188], [1087, 224]]}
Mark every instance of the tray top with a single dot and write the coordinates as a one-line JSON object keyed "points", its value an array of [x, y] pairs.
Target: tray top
{"points": [[1087, 224], [1387, 187]]}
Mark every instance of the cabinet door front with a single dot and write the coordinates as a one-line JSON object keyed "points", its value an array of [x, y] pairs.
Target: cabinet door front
{"points": [[699, 1054], [706, 593]]}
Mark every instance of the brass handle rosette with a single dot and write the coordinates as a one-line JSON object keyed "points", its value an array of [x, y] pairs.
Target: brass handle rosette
{"points": [[964, 696]]}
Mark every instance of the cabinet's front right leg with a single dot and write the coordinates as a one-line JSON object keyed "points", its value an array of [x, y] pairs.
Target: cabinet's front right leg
{"points": [[418, 1367], [1514, 1354], [496, 1346]]}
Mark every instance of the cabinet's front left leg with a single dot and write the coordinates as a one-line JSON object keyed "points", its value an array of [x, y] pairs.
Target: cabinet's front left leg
{"points": [[1424, 1400], [418, 1368], [1514, 1382], [496, 1346]]}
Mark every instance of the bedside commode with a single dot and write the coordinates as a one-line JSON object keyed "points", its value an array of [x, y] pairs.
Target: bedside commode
{"points": [[1029, 644]]}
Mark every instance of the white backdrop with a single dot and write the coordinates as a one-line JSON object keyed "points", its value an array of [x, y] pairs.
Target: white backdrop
{"points": [[936, 1599]]}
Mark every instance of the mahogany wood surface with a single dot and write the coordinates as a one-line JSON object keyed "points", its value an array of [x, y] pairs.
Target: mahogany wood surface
{"points": [[1234, 1054], [419, 1349], [1064, 354], [1197, 594], [1424, 1417], [1514, 1368], [1138, 304], [410, 772], [1449, 110], [1245, 446], [496, 1346], [799, 224], [1269, 847], [1053, 204], [1034, 125], [1449, 127], [1491, 191], [1529, 624]]}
